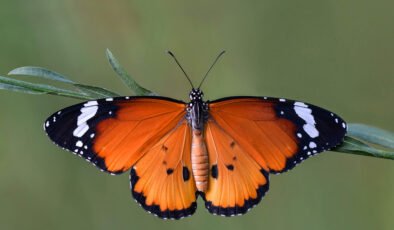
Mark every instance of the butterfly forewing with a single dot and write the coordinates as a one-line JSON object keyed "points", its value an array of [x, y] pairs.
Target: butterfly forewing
{"points": [[277, 133], [114, 133]]}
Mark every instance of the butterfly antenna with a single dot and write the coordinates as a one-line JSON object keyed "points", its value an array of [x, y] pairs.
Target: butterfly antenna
{"points": [[217, 58], [177, 62]]}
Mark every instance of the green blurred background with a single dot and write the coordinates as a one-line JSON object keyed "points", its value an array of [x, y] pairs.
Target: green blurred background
{"points": [[336, 54]]}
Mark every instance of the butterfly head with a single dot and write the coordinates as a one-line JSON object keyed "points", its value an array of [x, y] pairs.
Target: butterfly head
{"points": [[196, 95]]}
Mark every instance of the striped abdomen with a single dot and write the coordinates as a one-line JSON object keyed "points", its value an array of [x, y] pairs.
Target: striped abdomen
{"points": [[200, 166]]}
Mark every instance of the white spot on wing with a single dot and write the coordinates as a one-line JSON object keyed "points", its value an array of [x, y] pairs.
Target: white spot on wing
{"points": [[79, 144], [305, 113], [90, 103], [312, 145], [282, 100], [109, 99], [86, 114], [81, 130], [301, 104], [47, 124], [88, 111], [311, 130]]}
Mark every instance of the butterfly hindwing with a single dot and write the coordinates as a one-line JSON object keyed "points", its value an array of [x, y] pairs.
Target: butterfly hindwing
{"points": [[114, 133], [162, 181], [277, 133], [236, 181]]}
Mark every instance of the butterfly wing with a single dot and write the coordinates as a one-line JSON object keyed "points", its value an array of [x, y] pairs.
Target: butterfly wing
{"points": [[149, 134], [162, 181], [114, 133], [249, 137], [237, 182]]}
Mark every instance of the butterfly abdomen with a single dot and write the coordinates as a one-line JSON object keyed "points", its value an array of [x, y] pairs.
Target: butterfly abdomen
{"points": [[200, 165]]}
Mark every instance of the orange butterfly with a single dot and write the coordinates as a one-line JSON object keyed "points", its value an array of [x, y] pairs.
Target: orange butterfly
{"points": [[222, 150]]}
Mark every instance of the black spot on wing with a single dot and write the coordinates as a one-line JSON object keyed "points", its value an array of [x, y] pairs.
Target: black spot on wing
{"points": [[230, 167], [214, 171], [185, 174], [170, 171]]}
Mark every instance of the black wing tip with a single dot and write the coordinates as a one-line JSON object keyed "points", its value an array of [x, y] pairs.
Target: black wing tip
{"points": [[60, 127], [239, 210], [155, 209], [331, 131]]}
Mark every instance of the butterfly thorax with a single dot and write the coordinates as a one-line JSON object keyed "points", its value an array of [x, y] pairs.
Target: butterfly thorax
{"points": [[197, 110], [197, 114]]}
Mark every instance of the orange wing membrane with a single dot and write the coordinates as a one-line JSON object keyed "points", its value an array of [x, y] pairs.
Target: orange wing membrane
{"points": [[249, 137], [162, 180]]}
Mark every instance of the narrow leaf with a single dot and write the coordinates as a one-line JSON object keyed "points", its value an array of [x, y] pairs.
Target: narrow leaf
{"points": [[125, 77], [19, 89], [372, 135], [48, 89], [354, 146], [95, 91], [40, 72]]}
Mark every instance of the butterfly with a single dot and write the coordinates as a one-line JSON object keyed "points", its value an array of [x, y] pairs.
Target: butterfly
{"points": [[221, 150]]}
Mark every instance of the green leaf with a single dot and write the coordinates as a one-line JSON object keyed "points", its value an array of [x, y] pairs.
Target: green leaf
{"points": [[42, 88], [41, 73], [95, 91], [354, 146], [372, 135], [18, 89], [125, 77]]}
